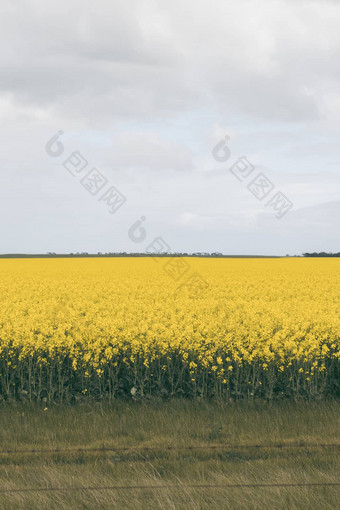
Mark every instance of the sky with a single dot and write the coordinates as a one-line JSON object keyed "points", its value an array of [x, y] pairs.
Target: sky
{"points": [[195, 126]]}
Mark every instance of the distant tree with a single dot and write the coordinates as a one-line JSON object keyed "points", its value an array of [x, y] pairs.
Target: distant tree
{"points": [[321, 254]]}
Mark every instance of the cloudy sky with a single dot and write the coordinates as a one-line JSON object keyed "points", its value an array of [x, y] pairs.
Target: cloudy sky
{"points": [[143, 91]]}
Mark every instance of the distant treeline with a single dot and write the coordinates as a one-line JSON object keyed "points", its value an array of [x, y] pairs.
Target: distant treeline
{"points": [[126, 254], [321, 254]]}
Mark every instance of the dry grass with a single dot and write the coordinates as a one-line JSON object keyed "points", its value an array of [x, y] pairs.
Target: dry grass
{"points": [[178, 423]]}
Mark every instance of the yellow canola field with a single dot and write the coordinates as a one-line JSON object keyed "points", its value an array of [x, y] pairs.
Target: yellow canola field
{"points": [[107, 327]]}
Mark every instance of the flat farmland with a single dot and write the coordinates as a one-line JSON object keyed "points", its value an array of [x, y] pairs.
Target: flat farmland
{"points": [[140, 328]]}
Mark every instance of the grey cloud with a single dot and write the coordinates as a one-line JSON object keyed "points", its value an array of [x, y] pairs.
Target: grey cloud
{"points": [[148, 150], [266, 62]]}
